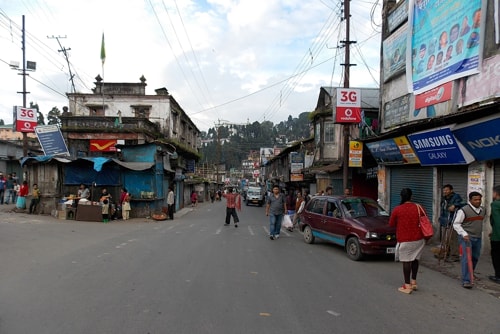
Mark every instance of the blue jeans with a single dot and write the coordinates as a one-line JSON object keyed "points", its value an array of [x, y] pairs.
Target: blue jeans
{"points": [[10, 197], [275, 224], [475, 244]]}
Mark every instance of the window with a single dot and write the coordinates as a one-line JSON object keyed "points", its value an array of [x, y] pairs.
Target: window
{"points": [[332, 210], [317, 206], [329, 132], [317, 133], [142, 111]]}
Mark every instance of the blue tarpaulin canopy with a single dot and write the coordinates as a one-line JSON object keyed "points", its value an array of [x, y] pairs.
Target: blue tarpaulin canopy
{"points": [[102, 171]]}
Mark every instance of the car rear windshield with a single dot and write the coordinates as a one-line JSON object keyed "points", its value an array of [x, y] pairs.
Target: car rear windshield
{"points": [[358, 207]]}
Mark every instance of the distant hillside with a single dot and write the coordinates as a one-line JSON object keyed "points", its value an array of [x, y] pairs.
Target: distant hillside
{"points": [[238, 141]]}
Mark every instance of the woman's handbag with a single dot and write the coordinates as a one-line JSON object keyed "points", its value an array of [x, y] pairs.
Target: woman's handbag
{"points": [[424, 223]]}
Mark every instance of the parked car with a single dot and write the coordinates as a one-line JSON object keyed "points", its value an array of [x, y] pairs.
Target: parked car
{"points": [[358, 224], [255, 195]]}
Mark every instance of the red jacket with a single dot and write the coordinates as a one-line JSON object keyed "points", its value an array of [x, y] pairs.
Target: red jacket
{"points": [[23, 190], [405, 218]]}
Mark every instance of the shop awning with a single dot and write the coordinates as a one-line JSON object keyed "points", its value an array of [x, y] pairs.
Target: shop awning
{"points": [[43, 158], [166, 164], [331, 168], [134, 165], [97, 161], [439, 147], [481, 137]]}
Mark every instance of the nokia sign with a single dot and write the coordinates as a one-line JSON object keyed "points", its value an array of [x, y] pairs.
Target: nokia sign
{"points": [[482, 138]]}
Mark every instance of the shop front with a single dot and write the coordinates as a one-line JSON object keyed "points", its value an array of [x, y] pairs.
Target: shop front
{"points": [[482, 139]]}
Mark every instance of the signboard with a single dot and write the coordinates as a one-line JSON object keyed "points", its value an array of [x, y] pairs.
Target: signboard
{"points": [[445, 39], [296, 177], [434, 96], [474, 89], [396, 111], [439, 147], [481, 138], [51, 140], [355, 154], [26, 119], [348, 108], [398, 15], [103, 145], [296, 162], [385, 152], [409, 156], [296, 167], [394, 52]]}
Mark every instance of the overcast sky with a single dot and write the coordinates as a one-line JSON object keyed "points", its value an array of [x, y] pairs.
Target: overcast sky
{"points": [[234, 61]]}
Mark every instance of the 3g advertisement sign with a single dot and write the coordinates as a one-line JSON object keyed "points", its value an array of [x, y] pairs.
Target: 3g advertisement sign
{"points": [[26, 119], [348, 105]]}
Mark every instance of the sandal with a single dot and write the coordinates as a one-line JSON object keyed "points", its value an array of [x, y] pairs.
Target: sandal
{"points": [[406, 288], [414, 285]]}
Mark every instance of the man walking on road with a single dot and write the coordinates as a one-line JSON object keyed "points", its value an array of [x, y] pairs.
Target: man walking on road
{"points": [[495, 234], [233, 202], [171, 203], [275, 209]]}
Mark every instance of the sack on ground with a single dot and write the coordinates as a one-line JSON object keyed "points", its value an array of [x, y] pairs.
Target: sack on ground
{"points": [[287, 221]]}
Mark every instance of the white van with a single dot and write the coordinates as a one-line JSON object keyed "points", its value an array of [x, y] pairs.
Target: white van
{"points": [[255, 195]]}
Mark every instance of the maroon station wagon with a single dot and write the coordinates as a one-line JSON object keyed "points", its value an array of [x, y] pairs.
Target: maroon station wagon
{"points": [[358, 224]]}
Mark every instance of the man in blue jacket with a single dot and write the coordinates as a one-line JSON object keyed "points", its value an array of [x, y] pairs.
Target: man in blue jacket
{"points": [[451, 202]]}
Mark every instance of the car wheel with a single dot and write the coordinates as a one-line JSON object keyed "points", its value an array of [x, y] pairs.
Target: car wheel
{"points": [[308, 235], [353, 249]]}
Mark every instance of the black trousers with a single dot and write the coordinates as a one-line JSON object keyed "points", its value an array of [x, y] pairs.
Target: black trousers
{"points": [[33, 205], [495, 256], [231, 212], [170, 211]]}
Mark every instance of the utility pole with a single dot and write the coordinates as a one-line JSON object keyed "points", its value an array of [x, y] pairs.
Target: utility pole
{"points": [[65, 53], [24, 92], [346, 127], [217, 156]]}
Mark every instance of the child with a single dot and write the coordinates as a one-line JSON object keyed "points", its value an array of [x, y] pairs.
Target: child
{"points": [[105, 211], [194, 198], [126, 207]]}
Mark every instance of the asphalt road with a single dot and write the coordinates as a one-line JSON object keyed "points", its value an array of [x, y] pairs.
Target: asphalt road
{"points": [[194, 275]]}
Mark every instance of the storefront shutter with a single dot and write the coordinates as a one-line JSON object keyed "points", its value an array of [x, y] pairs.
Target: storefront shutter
{"points": [[496, 179], [457, 177], [418, 179]]}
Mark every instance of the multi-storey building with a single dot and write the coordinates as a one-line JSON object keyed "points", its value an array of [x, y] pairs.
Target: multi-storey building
{"points": [[440, 91], [120, 137]]}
